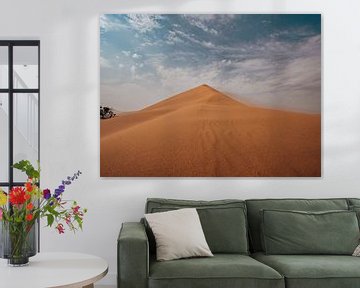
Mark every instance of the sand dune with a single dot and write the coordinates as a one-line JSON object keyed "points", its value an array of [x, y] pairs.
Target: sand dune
{"points": [[202, 132]]}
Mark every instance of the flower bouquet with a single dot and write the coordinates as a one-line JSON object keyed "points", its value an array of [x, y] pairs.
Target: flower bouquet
{"points": [[21, 208]]}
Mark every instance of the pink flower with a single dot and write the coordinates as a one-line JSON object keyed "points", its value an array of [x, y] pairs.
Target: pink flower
{"points": [[60, 228], [68, 219], [1, 213], [76, 210]]}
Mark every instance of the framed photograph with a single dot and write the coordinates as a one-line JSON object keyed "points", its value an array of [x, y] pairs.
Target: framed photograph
{"points": [[210, 95]]}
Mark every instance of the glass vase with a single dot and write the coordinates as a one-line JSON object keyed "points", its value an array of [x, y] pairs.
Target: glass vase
{"points": [[18, 242]]}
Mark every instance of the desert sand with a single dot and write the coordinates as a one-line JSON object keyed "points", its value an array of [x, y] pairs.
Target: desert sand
{"points": [[203, 132]]}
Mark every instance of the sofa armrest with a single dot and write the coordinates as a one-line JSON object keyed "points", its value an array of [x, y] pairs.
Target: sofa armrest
{"points": [[133, 256]]}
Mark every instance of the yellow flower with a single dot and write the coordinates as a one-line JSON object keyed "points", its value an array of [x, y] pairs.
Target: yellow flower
{"points": [[3, 198]]}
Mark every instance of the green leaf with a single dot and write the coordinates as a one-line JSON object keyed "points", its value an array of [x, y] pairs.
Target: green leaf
{"points": [[79, 221], [26, 167], [50, 219], [53, 211]]}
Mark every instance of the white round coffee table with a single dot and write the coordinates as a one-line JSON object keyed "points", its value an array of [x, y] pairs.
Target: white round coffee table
{"points": [[45, 270]]}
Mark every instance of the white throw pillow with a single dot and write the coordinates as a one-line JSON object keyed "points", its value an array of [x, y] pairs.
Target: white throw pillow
{"points": [[357, 251], [178, 234]]}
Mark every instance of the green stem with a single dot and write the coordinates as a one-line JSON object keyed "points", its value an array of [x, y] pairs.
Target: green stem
{"points": [[18, 237]]}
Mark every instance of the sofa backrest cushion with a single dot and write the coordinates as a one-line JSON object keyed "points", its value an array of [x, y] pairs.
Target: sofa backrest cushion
{"points": [[256, 205], [353, 201], [223, 221], [354, 205], [298, 232]]}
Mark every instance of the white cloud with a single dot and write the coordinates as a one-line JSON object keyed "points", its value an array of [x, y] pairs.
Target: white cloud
{"points": [[311, 46], [147, 42], [285, 75], [291, 85], [172, 38], [214, 18], [107, 24], [126, 53], [136, 56], [105, 63], [144, 22], [208, 44], [226, 61], [181, 36], [294, 87], [200, 22]]}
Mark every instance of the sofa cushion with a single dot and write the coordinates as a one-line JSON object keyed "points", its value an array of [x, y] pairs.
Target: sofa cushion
{"points": [[178, 234], [222, 270], [223, 221], [297, 232], [354, 205], [356, 209], [313, 271], [254, 207], [353, 201]]}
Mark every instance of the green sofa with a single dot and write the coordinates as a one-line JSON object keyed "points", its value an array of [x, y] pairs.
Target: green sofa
{"points": [[233, 230]]}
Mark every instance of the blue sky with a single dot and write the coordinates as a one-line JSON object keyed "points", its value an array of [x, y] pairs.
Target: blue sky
{"points": [[270, 60]]}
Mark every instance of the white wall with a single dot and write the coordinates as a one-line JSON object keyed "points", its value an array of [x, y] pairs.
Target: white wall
{"points": [[69, 36]]}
